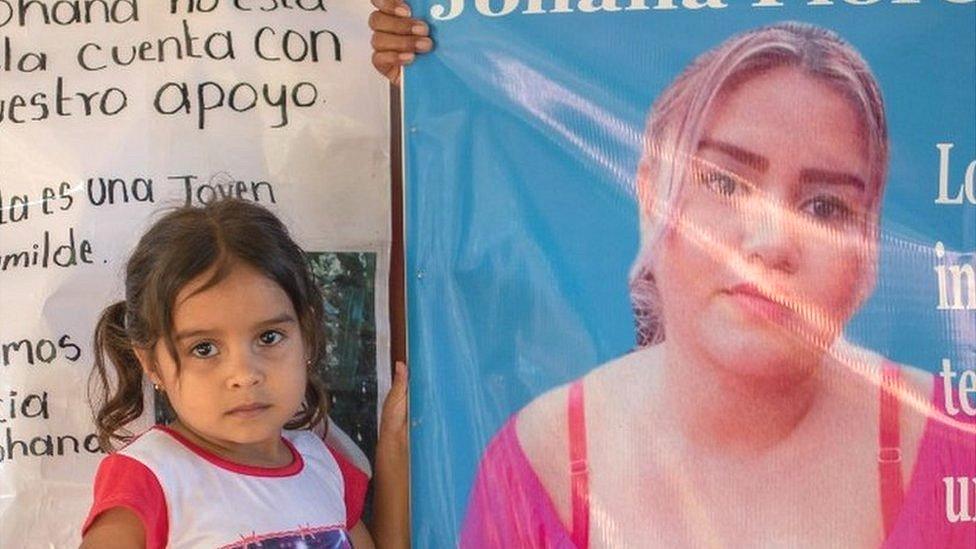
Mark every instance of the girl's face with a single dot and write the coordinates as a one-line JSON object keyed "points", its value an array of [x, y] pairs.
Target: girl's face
{"points": [[770, 254], [242, 358]]}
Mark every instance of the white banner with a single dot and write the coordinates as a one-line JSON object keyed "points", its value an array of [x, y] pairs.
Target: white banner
{"points": [[111, 110]]}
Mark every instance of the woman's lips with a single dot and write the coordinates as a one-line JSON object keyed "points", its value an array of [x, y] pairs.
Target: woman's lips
{"points": [[248, 410], [750, 298]]}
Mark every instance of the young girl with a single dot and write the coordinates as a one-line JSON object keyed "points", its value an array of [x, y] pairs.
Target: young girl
{"points": [[222, 316]]}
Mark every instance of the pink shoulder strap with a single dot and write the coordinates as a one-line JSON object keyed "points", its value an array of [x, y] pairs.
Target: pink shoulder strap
{"points": [[579, 470], [889, 447]]}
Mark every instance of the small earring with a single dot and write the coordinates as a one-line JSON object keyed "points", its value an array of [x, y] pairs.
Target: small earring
{"points": [[155, 387]]}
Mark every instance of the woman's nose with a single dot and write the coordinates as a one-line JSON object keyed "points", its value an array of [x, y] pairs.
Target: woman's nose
{"points": [[769, 235]]}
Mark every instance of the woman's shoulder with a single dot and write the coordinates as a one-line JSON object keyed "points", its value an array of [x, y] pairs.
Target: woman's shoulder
{"points": [[541, 431], [919, 381], [869, 365], [548, 412], [917, 399], [913, 393], [542, 426]]}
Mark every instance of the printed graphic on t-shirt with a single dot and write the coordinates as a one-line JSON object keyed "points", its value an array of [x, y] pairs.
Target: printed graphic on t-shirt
{"points": [[303, 538]]}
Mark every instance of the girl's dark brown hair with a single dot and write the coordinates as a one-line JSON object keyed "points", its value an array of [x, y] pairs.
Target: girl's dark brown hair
{"points": [[179, 247]]}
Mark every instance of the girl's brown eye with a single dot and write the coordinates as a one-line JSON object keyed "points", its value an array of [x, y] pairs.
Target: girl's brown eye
{"points": [[271, 337], [204, 350]]}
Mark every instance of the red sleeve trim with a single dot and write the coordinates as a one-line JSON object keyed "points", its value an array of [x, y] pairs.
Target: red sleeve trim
{"points": [[122, 481], [355, 484]]}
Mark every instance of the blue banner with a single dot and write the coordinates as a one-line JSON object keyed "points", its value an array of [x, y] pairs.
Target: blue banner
{"points": [[693, 273]]}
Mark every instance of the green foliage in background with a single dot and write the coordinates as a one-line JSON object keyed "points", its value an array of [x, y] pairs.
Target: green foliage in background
{"points": [[347, 282]]}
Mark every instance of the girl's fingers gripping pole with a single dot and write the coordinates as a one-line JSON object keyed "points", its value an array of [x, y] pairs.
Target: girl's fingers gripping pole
{"points": [[381, 22], [392, 7]]}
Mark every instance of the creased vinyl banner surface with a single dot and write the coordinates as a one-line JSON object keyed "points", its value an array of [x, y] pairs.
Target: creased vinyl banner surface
{"points": [[113, 111], [693, 273]]}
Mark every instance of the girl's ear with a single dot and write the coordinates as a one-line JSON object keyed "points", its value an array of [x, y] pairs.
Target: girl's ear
{"points": [[147, 361]]}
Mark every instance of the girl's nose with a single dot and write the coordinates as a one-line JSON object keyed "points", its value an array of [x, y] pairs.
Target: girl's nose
{"points": [[245, 371]]}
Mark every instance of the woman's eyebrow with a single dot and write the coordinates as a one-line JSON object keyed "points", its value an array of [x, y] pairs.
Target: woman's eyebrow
{"points": [[748, 158], [813, 175]]}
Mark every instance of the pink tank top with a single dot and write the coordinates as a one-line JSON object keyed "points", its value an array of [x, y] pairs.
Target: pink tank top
{"points": [[509, 507]]}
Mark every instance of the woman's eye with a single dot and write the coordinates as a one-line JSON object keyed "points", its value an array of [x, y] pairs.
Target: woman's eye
{"points": [[722, 183], [828, 209], [271, 337], [204, 350]]}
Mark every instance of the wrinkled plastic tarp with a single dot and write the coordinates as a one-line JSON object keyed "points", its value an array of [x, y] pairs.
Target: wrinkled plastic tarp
{"points": [[539, 253]]}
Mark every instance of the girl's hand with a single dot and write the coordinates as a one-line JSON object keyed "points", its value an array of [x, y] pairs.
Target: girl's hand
{"points": [[397, 38], [393, 419], [391, 505]]}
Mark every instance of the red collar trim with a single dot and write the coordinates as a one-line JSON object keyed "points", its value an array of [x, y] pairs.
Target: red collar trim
{"points": [[293, 468]]}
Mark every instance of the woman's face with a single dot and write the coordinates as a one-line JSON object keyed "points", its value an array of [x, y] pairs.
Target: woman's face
{"points": [[770, 253]]}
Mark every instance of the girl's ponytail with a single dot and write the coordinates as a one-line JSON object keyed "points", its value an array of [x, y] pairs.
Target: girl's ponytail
{"points": [[116, 399]]}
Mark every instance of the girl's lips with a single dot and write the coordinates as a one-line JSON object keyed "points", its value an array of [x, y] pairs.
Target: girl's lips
{"points": [[248, 410]]}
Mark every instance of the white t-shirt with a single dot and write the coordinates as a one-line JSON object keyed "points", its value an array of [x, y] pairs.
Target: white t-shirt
{"points": [[189, 497]]}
